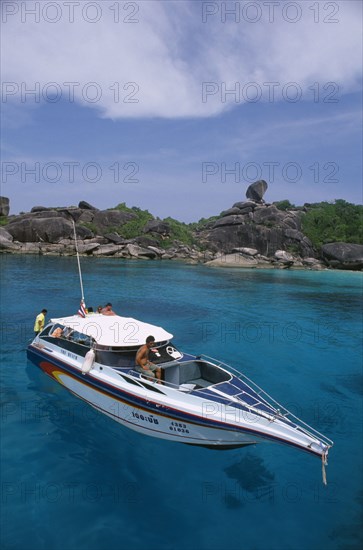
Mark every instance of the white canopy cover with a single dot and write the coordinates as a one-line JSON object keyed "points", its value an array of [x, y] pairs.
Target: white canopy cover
{"points": [[113, 330]]}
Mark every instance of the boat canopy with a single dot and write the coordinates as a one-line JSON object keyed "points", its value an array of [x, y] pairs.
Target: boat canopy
{"points": [[114, 330]]}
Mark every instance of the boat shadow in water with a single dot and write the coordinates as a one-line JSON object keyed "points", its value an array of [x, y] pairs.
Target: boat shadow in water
{"points": [[251, 475]]}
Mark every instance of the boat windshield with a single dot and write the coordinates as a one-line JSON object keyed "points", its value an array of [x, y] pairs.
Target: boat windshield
{"points": [[113, 358], [67, 338], [163, 352]]}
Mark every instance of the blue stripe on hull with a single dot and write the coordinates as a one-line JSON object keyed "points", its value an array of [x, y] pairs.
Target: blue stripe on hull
{"points": [[36, 356]]}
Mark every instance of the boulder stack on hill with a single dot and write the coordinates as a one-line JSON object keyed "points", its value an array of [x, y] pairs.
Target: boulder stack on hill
{"points": [[252, 233]]}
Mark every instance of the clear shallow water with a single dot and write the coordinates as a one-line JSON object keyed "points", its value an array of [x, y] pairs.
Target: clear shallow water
{"points": [[74, 479]]}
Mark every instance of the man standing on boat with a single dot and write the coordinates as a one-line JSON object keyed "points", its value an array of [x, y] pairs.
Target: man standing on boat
{"points": [[142, 360], [39, 321]]}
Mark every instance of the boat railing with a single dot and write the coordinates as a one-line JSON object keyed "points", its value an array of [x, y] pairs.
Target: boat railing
{"points": [[279, 411], [145, 378], [266, 399]]}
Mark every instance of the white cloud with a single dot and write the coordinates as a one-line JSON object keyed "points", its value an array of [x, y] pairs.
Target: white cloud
{"points": [[170, 52]]}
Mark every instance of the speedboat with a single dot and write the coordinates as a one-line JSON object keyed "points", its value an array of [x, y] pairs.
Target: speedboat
{"points": [[198, 400]]}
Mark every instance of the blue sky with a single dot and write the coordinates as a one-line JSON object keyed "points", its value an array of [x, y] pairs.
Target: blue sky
{"points": [[178, 106]]}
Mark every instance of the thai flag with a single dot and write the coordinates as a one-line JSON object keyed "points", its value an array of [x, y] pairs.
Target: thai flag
{"points": [[82, 309]]}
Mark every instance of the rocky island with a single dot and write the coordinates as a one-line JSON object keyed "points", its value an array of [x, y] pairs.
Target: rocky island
{"points": [[252, 233]]}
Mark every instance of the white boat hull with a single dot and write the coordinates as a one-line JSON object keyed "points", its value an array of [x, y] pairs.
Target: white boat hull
{"points": [[172, 414], [161, 425]]}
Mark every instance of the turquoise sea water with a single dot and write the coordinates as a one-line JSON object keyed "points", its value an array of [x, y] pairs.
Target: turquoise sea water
{"points": [[74, 479]]}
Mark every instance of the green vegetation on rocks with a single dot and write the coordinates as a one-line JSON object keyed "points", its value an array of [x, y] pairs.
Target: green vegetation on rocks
{"points": [[179, 231], [322, 223], [284, 205], [326, 222], [134, 227], [331, 232]]}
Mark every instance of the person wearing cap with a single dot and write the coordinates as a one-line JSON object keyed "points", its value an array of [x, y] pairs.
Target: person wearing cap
{"points": [[40, 321], [107, 310]]}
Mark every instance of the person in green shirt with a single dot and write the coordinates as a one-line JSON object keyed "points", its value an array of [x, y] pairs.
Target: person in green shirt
{"points": [[39, 321]]}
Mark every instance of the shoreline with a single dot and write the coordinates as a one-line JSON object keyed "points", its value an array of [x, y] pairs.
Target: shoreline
{"points": [[251, 234], [227, 261]]}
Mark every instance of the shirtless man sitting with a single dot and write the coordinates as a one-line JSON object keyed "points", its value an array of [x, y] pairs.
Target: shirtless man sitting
{"points": [[142, 360]]}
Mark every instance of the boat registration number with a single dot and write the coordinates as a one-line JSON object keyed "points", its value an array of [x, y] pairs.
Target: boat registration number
{"points": [[178, 427], [145, 418], [69, 354]]}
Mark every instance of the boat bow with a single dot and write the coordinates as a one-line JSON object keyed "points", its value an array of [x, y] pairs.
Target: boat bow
{"points": [[263, 414]]}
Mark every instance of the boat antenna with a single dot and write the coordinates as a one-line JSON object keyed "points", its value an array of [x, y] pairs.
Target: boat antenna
{"points": [[79, 263]]}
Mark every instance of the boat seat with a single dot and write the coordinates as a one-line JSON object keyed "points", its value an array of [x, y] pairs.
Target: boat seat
{"points": [[186, 387], [189, 372], [202, 374], [200, 382]]}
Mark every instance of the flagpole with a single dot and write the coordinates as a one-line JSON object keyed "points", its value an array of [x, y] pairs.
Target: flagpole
{"points": [[79, 263]]}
